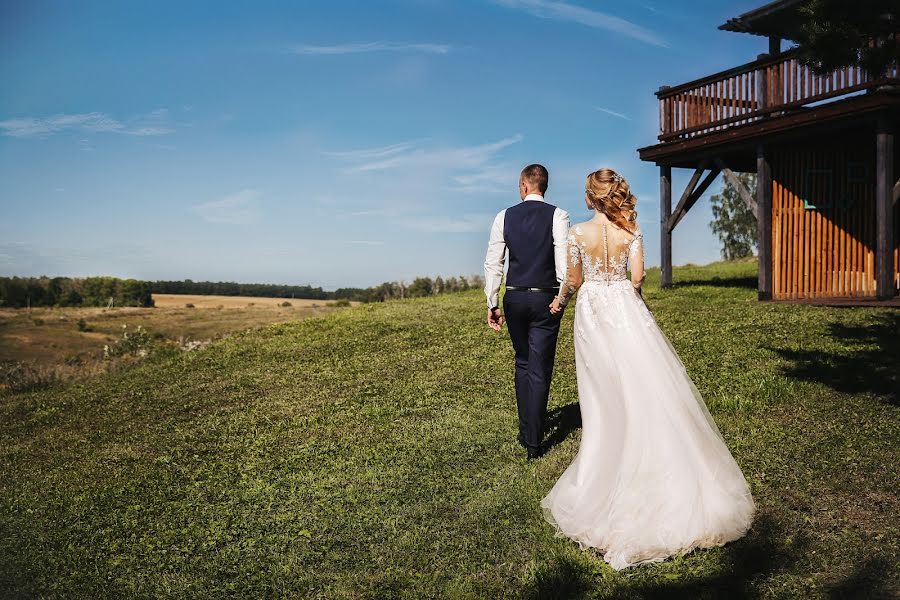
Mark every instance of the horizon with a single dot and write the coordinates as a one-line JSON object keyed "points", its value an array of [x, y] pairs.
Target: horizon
{"points": [[294, 146], [432, 276]]}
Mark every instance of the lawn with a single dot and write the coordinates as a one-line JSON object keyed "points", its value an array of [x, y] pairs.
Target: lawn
{"points": [[371, 453]]}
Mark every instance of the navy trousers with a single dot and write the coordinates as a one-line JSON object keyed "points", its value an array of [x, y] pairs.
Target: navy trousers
{"points": [[533, 331]]}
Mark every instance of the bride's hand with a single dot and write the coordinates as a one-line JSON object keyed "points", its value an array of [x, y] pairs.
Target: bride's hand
{"points": [[555, 306]]}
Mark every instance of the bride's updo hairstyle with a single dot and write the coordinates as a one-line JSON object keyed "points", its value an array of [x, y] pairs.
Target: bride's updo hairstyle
{"points": [[608, 192]]}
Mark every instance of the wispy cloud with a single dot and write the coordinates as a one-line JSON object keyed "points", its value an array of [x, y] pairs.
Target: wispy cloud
{"points": [[613, 113], [404, 175], [445, 158], [387, 212], [500, 179], [364, 242], [371, 153], [446, 224], [154, 123], [564, 11], [235, 209], [367, 47]]}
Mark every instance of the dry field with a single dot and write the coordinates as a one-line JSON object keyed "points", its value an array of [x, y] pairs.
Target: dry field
{"points": [[51, 336], [179, 300]]}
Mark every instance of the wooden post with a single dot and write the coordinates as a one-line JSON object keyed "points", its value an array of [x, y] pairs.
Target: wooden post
{"points": [[665, 234], [764, 221], [665, 110], [762, 90], [884, 209], [774, 45]]}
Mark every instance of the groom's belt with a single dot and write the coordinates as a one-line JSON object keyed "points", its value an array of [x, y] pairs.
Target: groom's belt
{"points": [[516, 288]]}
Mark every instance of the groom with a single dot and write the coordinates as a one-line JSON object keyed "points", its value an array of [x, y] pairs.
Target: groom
{"points": [[534, 232]]}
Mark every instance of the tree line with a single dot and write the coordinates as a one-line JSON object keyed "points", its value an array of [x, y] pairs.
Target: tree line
{"points": [[419, 288], [231, 288], [21, 292]]}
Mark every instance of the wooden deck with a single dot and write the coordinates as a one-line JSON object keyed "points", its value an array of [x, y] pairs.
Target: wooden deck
{"points": [[726, 113]]}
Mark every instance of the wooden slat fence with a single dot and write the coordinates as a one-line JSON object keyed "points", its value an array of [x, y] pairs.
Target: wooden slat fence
{"points": [[744, 94]]}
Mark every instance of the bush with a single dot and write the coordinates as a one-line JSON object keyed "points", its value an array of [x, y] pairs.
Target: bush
{"points": [[286, 304], [83, 326], [137, 343], [343, 302], [37, 321], [189, 305]]}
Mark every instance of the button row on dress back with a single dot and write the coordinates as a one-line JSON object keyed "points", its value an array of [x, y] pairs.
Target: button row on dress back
{"points": [[605, 253]]}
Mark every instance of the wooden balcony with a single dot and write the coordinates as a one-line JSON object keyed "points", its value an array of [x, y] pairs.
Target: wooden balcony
{"points": [[766, 88], [725, 114]]}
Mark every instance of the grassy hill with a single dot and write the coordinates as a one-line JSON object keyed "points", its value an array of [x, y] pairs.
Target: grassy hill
{"points": [[371, 453]]}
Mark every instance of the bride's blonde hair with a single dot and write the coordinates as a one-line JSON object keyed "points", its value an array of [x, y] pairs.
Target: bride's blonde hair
{"points": [[608, 192]]}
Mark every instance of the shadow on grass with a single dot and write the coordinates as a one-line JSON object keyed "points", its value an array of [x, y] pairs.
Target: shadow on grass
{"points": [[866, 364], [752, 559], [562, 421], [869, 581], [732, 282]]}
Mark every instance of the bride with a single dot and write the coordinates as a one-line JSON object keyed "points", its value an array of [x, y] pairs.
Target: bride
{"points": [[653, 476]]}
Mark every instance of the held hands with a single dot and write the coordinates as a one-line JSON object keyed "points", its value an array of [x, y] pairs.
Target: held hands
{"points": [[556, 306], [495, 319]]}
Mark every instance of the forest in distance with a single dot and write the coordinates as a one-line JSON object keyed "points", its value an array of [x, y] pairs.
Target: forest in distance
{"points": [[22, 292]]}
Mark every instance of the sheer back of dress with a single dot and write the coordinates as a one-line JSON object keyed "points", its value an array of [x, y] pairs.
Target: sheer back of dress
{"points": [[604, 250], [599, 251]]}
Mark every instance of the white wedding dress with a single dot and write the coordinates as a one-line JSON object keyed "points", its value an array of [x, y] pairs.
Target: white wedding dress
{"points": [[653, 476]]}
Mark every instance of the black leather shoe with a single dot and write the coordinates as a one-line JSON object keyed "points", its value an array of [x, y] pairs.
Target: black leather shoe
{"points": [[535, 453]]}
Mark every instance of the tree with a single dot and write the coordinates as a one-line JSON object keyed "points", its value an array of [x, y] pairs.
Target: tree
{"points": [[733, 220], [420, 287], [837, 33]]}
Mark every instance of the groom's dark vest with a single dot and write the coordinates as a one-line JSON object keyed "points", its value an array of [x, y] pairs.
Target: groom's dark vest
{"points": [[528, 232]]}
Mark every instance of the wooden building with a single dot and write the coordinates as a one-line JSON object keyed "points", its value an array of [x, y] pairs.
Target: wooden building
{"points": [[823, 150]]}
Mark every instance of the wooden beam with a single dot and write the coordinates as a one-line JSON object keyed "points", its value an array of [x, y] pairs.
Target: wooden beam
{"points": [[762, 88], [665, 113], [764, 222], [736, 183], [665, 234], [896, 193], [690, 197], [688, 190], [884, 209]]}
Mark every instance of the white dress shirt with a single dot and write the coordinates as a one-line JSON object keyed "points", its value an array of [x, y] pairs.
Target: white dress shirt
{"points": [[496, 251]]}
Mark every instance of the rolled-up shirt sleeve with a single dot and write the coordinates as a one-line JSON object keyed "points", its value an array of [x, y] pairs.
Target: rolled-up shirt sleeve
{"points": [[560, 235], [494, 261]]}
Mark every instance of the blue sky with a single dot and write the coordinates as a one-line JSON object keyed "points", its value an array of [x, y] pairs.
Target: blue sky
{"points": [[337, 143]]}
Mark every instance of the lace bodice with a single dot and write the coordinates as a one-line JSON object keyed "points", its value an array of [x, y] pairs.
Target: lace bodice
{"points": [[601, 252]]}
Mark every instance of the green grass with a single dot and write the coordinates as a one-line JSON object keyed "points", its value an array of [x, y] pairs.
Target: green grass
{"points": [[371, 454]]}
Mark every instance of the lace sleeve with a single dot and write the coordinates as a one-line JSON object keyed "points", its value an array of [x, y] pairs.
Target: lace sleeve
{"points": [[636, 259], [574, 276]]}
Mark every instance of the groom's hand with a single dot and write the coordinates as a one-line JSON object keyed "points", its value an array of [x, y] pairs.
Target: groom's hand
{"points": [[495, 319]]}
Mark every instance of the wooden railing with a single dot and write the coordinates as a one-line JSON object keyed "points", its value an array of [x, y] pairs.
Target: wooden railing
{"points": [[761, 89]]}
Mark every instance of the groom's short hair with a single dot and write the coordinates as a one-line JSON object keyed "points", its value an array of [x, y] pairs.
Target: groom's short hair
{"points": [[537, 176]]}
